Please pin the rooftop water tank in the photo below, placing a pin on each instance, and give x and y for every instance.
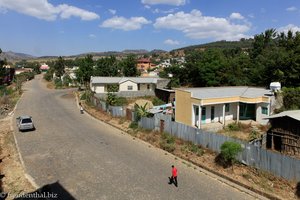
(275, 86)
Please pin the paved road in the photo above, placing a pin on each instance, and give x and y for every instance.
(92, 160)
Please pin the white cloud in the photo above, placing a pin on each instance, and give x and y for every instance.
(67, 11)
(92, 36)
(166, 2)
(112, 11)
(236, 16)
(291, 9)
(42, 9)
(126, 24)
(171, 42)
(251, 16)
(289, 27)
(147, 7)
(196, 26)
(164, 11)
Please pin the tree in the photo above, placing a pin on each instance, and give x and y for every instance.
(59, 67)
(129, 66)
(107, 66)
(85, 70)
(2, 69)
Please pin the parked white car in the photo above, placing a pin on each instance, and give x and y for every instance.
(25, 123)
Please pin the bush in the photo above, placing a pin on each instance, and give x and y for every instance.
(83, 96)
(133, 125)
(234, 127)
(168, 138)
(5, 90)
(170, 147)
(229, 151)
(48, 76)
(253, 135)
(120, 101)
(191, 147)
(58, 83)
(156, 101)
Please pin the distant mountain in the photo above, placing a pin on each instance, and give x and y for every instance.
(223, 44)
(120, 53)
(13, 56)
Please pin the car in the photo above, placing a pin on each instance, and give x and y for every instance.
(25, 123)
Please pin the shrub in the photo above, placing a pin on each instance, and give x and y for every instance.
(133, 125)
(191, 147)
(253, 135)
(168, 138)
(170, 147)
(229, 151)
(140, 111)
(83, 96)
(120, 101)
(233, 127)
(156, 101)
(58, 83)
(48, 76)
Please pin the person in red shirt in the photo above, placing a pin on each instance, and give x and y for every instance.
(174, 176)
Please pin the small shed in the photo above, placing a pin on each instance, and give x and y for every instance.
(284, 134)
(166, 95)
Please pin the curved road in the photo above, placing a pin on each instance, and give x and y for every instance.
(93, 160)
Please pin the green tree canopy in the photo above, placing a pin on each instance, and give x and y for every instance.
(85, 70)
(129, 66)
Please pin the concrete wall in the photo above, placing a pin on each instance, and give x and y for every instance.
(144, 87)
(124, 86)
(259, 115)
(98, 88)
(183, 111)
(128, 94)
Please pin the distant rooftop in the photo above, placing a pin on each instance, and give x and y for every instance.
(110, 80)
(222, 92)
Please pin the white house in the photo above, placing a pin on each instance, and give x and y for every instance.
(128, 85)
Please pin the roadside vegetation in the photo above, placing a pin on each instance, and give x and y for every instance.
(195, 155)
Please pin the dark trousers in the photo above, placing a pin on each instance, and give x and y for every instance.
(174, 180)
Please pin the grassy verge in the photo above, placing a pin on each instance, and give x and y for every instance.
(253, 179)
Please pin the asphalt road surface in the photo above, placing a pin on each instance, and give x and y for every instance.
(92, 160)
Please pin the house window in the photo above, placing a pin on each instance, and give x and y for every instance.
(227, 107)
(148, 86)
(129, 87)
(264, 110)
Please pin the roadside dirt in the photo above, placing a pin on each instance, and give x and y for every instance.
(14, 181)
(259, 181)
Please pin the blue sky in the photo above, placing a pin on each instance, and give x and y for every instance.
(65, 27)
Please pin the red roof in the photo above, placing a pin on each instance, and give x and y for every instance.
(144, 60)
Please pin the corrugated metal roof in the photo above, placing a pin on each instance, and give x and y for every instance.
(295, 114)
(222, 92)
(108, 80)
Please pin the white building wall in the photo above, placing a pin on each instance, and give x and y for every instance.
(124, 86)
(259, 115)
(231, 115)
(97, 88)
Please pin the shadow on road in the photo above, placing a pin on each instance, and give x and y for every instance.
(49, 191)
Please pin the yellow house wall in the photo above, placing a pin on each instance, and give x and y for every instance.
(183, 111)
(234, 99)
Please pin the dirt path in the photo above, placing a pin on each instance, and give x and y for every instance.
(14, 181)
